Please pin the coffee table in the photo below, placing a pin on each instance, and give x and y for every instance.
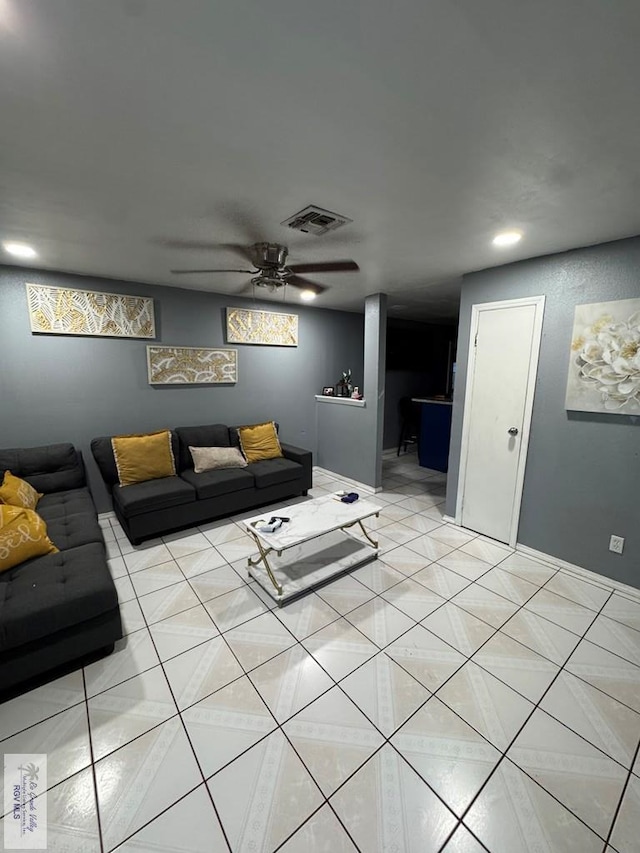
(317, 544)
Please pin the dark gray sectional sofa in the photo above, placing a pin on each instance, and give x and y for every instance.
(148, 509)
(60, 607)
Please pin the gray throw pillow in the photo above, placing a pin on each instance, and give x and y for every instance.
(209, 458)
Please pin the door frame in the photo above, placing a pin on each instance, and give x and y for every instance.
(476, 310)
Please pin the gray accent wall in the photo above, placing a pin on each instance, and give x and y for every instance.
(57, 388)
(583, 470)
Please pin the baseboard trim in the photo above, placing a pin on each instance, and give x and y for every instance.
(448, 519)
(579, 571)
(362, 486)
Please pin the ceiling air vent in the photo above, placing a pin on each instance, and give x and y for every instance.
(316, 220)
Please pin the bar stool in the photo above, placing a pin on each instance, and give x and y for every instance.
(409, 423)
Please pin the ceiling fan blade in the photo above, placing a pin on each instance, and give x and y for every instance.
(189, 272)
(304, 284)
(326, 266)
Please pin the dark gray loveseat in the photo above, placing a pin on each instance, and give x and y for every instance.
(60, 607)
(170, 503)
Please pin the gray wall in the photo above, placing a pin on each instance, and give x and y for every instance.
(58, 388)
(583, 470)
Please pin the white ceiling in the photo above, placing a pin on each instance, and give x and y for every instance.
(127, 124)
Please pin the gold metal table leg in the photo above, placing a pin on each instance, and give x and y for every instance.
(263, 559)
(366, 535)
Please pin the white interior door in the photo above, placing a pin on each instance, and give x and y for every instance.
(503, 359)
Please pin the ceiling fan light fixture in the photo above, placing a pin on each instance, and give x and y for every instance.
(19, 250)
(507, 238)
(308, 295)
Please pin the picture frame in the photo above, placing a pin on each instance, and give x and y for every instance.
(328, 391)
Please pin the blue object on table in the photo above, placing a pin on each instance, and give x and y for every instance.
(350, 498)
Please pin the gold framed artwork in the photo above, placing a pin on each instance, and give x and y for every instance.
(191, 365)
(65, 311)
(604, 364)
(267, 328)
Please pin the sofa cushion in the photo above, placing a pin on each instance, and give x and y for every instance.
(18, 492)
(71, 531)
(143, 457)
(272, 472)
(61, 504)
(50, 468)
(54, 592)
(210, 435)
(222, 481)
(210, 458)
(23, 535)
(103, 454)
(153, 494)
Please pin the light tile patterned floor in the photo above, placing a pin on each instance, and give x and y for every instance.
(453, 697)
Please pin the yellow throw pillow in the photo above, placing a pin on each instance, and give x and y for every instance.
(23, 535)
(143, 457)
(18, 492)
(259, 442)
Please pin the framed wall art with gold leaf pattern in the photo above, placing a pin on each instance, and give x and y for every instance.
(191, 365)
(268, 328)
(64, 311)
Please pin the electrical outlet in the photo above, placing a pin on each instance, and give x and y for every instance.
(616, 544)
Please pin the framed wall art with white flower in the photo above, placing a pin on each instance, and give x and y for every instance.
(604, 367)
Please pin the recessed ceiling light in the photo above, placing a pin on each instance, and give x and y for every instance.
(507, 238)
(19, 250)
(307, 295)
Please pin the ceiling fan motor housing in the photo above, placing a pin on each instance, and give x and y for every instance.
(269, 256)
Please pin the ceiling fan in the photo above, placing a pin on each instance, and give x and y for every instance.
(271, 270)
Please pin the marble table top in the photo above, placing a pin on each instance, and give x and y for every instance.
(310, 519)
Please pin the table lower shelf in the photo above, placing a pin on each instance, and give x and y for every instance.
(305, 567)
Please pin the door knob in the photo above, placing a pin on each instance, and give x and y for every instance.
(513, 430)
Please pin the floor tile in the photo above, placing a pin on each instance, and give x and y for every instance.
(190, 826)
(441, 580)
(322, 833)
(508, 585)
(124, 588)
(615, 637)
(580, 591)
(117, 567)
(580, 776)
(156, 577)
(306, 615)
(63, 738)
(259, 639)
(200, 562)
(183, 544)
(465, 564)
(624, 837)
(485, 604)
(264, 795)
(525, 567)
(453, 758)
(378, 576)
(400, 533)
(339, 648)
(460, 629)
(237, 549)
(380, 621)
(200, 671)
(234, 608)
(513, 813)
(421, 523)
(144, 557)
(39, 704)
(167, 602)
(574, 617)
(131, 656)
(345, 594)
(218, 532)
(548, 639)
(216, 582)
(489, 552)
(128, 710)
(601, 720)
(387, 806)
(404, 560)
(425, 656)
(608, 672)
(333, 738)
(290, 681)
(226, 723)
(393, 512)
(492, 708)
(385, 692)
(139, 780)
(430, 548)
(518, 666)
(413, 598)
(623, 610)
(462, 841)
(181, 632)
(132, 617)
(452, 535)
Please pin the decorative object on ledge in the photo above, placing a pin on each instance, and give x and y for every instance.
(344, 387)
(247, 326)
(328, 391)
(191, 365)
(63, 311)
(604, 367)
